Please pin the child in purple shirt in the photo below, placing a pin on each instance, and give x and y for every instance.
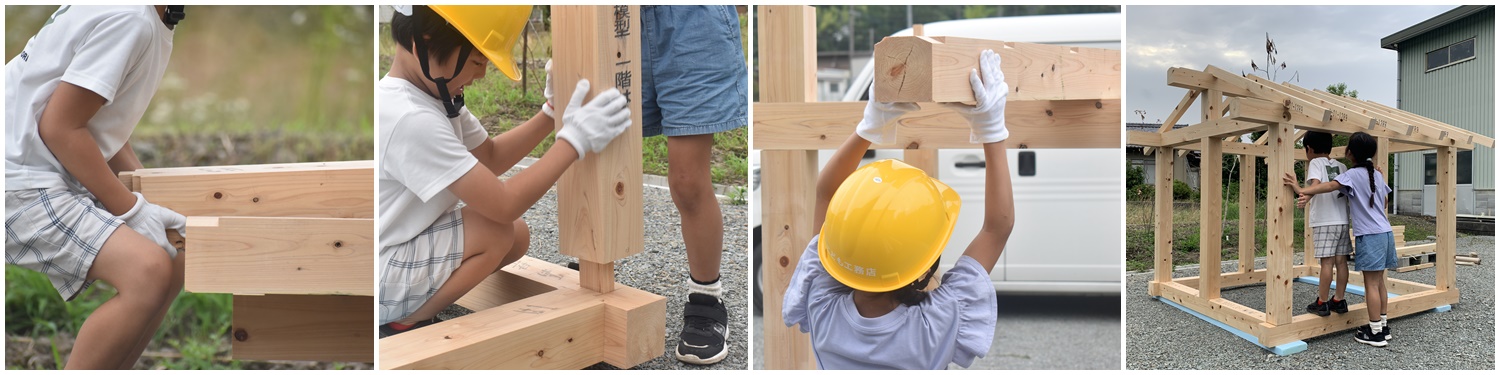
(1374, 245)
(859, 287)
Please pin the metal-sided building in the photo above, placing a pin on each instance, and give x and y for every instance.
(1447, 73)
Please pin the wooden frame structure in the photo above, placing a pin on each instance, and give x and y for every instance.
(292, 242)
(790, 128)
(1232, 105)
(537, 315)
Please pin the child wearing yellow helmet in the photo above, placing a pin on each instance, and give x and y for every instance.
(446, 220)
(859, 288)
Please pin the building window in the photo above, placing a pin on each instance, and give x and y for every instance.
(1452, 54)
(1465, 168)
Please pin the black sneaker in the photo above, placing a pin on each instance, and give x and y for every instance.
(1365, 336)
(1339, 306)
(386, 330)
(1386, 331)
(1318, 308)
(705, 328)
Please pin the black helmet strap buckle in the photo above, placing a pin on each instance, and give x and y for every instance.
(174, 14)
(452, 103)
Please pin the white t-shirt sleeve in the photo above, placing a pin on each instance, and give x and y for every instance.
(968, 286)
(425, 156)
(1316, 170)
(473, 131)
(113, 47)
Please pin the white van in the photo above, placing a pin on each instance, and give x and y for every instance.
(1068, 201)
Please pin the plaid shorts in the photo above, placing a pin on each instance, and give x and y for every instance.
(1332, 240)
(411, 272)
(57, 232)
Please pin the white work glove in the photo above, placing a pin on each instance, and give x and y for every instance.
(590, 127)
(152, 221)
(987, 115)
(547, 92)
(876, 126)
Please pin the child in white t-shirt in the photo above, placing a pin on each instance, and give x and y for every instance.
(73, 96)
(446, 220)
(1328, 215)
(859, 288)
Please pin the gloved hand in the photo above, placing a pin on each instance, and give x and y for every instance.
(987, 115)
(152, 221)
(547, 92)
(875, 127)
(590, 127)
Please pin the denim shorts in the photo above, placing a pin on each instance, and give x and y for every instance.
(1375, 252)
(693, 79)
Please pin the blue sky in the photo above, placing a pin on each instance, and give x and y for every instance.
(1322, 45)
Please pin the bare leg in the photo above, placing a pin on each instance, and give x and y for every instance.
(140, 271)
(688, 159)
(1384, 294)
(173, 289)
(1325, 277)
(487, 244)
(1374, 293)
(1341, 264)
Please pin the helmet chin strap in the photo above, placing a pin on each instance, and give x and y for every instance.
(452, 103)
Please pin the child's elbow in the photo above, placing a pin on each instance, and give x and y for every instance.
(1000, 224)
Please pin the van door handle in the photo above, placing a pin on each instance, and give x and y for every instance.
(969, 164)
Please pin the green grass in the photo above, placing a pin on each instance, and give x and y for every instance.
(502, 104)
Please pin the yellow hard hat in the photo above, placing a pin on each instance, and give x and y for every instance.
(493, 29)
(886, 225)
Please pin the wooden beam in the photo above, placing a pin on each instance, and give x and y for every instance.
(1475, 138)
(1247, 213)
(1165, 160)
(558, 330)
(599, 205)
(1447, 222)
(634, 327)
(788, 47)
(339, 189)
(304, 328)
(1306, 326)
(1279, 205)
(924, 159)
(1239, 317)
(1211, 215)
(936, 70)
(1032, 124)
(1196, 80)
(1217, 128)
(1179, 110)
(259, 255)
(1227, 280)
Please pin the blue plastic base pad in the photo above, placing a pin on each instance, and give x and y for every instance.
(1281, 350)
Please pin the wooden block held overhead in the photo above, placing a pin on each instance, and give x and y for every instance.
(599, 197)
(936, 69)
(260, 255)
(1032, 124)
(304, 328)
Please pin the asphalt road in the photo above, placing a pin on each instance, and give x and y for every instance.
(1159, 336)
(1041, 332)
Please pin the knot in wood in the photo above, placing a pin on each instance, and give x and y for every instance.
(1098, 105)
(338, 243)
(784, 261)
(541, 353)
(218, 195)
(1049, 113)
(255, 200)
(619, 188)
(914, 145)
(241, 335)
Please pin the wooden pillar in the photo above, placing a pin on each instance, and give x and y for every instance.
(788, 58)
(1165, 157)
(1447, 220)
(1247, 213)
(1280, 202)
(599, 198)
(1211, 216)
(924, 159)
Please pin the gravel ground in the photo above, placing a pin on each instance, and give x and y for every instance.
(1159, 336)
(1037, 332)
(661, 269)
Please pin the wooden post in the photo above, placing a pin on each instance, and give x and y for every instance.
(1279, 204)
(936, 69)
(1247, 213)
(924, 159)
(599, 205)
(788, 44)
(1211, 216)
(1447, 221)
(1164, 166)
